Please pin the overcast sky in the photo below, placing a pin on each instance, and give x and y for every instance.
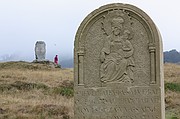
(23, 22)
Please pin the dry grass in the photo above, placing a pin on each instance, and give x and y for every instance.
(172, 73)
(31, 93)
(172, 93)
(51, 77)
(34, 92)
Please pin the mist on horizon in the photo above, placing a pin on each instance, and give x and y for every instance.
(23, 23)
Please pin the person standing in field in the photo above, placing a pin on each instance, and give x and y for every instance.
(56, 59)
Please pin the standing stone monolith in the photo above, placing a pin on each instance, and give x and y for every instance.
(118, 65)
(40, 50)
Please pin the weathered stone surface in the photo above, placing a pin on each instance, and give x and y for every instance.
(118, 69)
(40, 50)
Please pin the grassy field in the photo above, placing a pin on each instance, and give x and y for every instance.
(38, 91)
(172, 91)
(35, 91)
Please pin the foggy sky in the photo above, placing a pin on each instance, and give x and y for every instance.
(23, 22)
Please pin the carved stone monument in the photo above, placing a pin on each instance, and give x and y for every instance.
(118, 65)
(40, 50)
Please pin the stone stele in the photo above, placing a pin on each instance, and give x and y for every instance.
(40, 50)
(118, 65)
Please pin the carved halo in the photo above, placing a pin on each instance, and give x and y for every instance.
(116, 13)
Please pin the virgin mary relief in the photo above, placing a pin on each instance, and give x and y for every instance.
(116, 56)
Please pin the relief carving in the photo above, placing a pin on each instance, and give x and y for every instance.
(118, 67)
(116, 56)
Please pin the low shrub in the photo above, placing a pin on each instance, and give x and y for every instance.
(172, 86)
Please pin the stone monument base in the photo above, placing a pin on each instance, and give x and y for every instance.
(47, 62)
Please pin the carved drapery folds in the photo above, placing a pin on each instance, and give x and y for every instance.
(116, 56)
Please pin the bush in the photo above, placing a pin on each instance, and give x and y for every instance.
(28, 86)
(174, 118)
(172, 86)
(64, 91)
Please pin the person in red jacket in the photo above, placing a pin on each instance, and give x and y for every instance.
(56, 59)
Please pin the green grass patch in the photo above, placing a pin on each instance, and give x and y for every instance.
(172, 86)
(174, 118)
(23, 86)
(171, 115)
(64, 91)
(28, 86)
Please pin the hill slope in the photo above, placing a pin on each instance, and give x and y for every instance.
(39, 91)
(35, 91)
(172, 56)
